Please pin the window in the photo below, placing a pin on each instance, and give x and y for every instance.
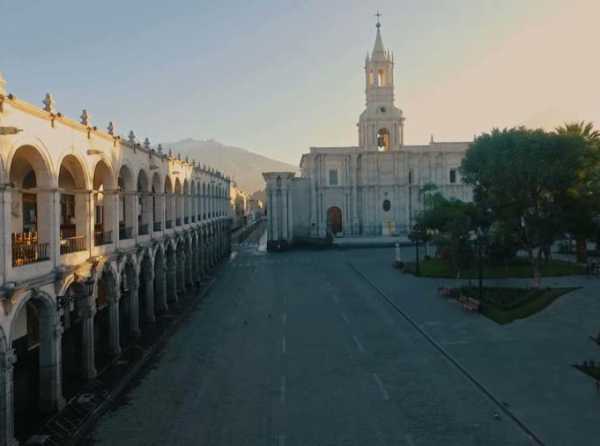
(387, 205)
(333, 177)
(452, 176)
(383, 140)
(410, 176)
(380, 78)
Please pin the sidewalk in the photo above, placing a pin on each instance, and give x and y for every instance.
(83, 410)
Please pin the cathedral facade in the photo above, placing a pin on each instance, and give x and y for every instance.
(372, 189)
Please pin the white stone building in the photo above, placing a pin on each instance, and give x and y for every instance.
(371, 189)
(99, 235)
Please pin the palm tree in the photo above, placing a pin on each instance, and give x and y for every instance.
(582, 221)
(582, 128)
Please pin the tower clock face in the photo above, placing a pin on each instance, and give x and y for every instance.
(382, 109)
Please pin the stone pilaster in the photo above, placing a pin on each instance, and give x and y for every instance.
(161, 289)
(134, 309)
(172, 282)
(113, 330)
(88, 366)
(149, 315)
(50, 356)
(7, 405)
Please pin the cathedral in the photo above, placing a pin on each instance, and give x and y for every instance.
(372, 189)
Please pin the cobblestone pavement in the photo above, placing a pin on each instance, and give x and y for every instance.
(302, 348)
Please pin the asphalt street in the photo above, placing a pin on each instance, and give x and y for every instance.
(301, 348)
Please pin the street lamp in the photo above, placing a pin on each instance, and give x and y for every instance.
(478, 236)
(415, 235)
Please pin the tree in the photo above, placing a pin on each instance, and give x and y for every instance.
(521, 176)
(452, 220)
(581, 203)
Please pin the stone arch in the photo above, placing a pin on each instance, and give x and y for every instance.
(186, 201)
(193, 197)
(106, 327)
(37, 369)
(181, 265)
(147, 313)
(31, 212)
(178, 202)
(145, 210)
(170, 204)
(73, 183)
(103, 180)
(171, 270)
(158, 201)
(128, 302)
(127, 187)
(160, 279)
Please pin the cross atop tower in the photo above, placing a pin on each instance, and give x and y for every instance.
(378, 15)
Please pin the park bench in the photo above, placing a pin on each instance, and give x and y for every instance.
(469, 303)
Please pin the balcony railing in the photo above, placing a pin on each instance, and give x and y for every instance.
(26, 249)
(168, 224)
(157, 226)
(186, 220)
(102, 238)
(72, 244)
(144, 229)
(178, 221)
(125, 233)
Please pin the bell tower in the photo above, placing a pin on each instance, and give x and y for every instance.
(381, 125)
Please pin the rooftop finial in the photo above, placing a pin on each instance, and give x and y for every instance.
(378, 15)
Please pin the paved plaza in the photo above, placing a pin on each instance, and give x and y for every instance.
(336, 347)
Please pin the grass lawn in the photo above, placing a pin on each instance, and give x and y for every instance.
(519, 267)
(594, 372)
(504, 305)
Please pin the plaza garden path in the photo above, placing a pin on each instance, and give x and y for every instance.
(337, 348)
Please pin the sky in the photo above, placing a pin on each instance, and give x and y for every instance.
(279, 76)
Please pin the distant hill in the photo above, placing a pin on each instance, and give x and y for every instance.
(243, 166)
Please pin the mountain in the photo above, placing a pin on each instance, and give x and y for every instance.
(243, 166)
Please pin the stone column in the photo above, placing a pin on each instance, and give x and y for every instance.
(160, 280)
(7, 407)
(88, 366)
(149, 297)
(113, 330)
(189, 278)
(134, 308)
(50, 356)
(172, 282)
(180, 273)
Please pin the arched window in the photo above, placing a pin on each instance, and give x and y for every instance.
(383, 140)
(371, 79)
(380, 78)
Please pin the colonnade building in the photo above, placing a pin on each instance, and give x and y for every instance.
(100, 234)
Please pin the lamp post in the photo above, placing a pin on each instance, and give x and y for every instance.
(478, 236)
(415, 235)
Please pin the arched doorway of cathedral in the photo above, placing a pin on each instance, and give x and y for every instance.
(35, 388)
(334, 220)
(105, 297)
(72, 339)
(383, 140)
